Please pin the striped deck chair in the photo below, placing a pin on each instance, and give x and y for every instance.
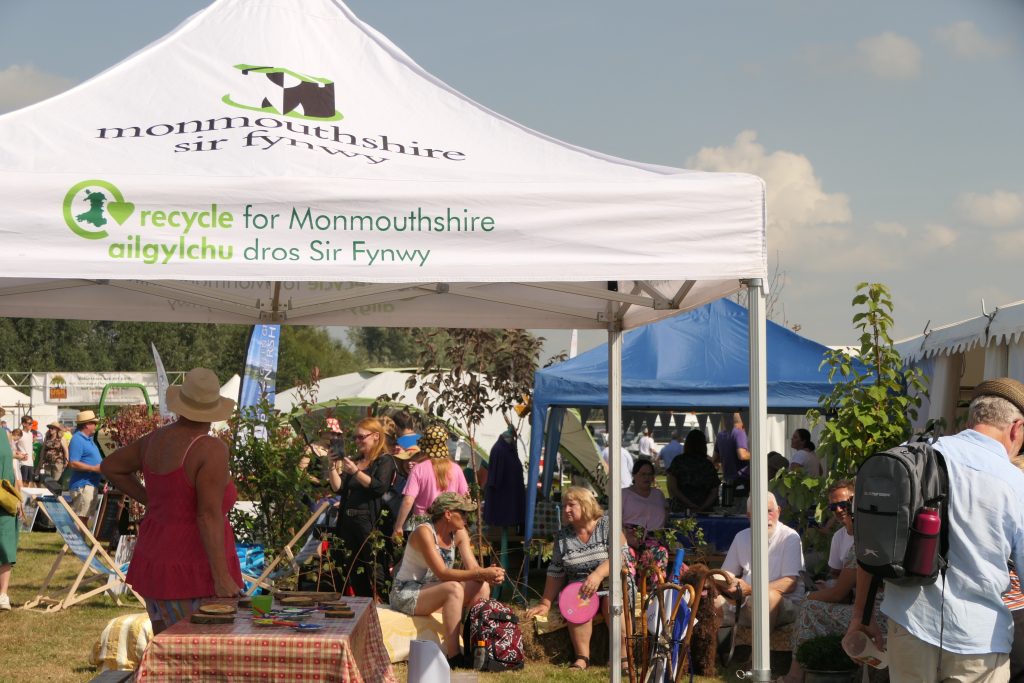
(97, 566)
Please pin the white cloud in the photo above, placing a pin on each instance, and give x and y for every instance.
(998, 209)
(964, 40)
(890, 56)
(939, 236)
(796, 200)
(891, 229)
(22, 85)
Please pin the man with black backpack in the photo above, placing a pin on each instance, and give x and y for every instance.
(957, 627)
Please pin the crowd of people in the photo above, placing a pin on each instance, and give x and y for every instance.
(402, 485)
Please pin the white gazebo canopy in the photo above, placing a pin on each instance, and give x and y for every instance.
(283, 162)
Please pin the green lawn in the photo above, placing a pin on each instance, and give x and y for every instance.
(49, 647)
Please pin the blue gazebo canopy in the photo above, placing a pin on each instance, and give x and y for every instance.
(695, 361)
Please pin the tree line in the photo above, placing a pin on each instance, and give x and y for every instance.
(41, 345)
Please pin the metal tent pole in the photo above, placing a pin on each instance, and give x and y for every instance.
(761, 670)
(615, 495)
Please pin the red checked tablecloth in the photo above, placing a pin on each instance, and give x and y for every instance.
(344, 651)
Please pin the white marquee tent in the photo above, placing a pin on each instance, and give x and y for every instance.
(284, 162)
(373, 383)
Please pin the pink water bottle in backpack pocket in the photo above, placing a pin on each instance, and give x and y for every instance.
(924, 539)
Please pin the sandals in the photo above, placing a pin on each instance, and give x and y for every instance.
(580, 658)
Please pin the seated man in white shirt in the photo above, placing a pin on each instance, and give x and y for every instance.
(785, 562)
(840, 502)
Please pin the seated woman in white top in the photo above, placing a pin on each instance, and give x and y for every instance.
(804, 458)
(426, 580)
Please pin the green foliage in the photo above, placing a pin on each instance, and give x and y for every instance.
(824, 653)
(392, 347)
(303, 348)
(473, 373)
(872, 408)
(97, 346)
(467, 374)
(266, 472)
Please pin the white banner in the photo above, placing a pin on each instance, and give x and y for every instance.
(85, 388)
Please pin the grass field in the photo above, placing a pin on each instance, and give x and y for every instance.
(55, 648)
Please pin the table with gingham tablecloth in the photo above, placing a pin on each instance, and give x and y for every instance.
(344, 651)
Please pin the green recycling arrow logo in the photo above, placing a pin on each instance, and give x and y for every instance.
(100, 205)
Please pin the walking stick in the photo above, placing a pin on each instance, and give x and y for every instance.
(630, 615)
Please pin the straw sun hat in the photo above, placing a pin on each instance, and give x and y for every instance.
(85, 417)
(1003, 387)
(198, 398)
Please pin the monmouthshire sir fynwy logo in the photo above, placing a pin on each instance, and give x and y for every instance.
(96, 209)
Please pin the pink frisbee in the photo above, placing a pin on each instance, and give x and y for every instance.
(574, 609)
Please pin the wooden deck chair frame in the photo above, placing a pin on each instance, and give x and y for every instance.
(286, 553)
(112, 581)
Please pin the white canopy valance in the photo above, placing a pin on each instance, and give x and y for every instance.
(1003, 326)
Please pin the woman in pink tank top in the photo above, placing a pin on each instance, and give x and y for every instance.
(186, 549)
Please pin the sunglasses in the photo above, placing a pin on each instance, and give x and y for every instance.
(364, 437)
(841, 505)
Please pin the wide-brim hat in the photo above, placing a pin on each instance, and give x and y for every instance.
(434, 442)
(406, 453)
(58, 425)
(451, 501)
(1003, 387)
(85, 417)
(198, 397)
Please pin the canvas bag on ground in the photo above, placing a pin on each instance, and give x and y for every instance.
(893, 487)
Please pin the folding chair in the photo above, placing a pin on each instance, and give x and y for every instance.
(262, 581)
(97, 565)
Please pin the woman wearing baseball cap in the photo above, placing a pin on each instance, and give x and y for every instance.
(426, 580)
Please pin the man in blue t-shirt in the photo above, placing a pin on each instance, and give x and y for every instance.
(84, 460)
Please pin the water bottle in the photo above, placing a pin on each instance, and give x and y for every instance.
(924, 536)
(480, 655)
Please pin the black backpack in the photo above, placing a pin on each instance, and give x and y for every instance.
(892, 487)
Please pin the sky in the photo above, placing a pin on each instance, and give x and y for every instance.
(889, 134)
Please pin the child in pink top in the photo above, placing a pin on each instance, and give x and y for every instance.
(422, 487)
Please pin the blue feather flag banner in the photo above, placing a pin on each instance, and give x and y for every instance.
(259, 379)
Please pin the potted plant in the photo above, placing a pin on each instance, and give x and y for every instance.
(824, 661)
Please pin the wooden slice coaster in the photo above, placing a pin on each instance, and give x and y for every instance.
(217, 608)
(297, 601)
(318, 596)
(198, 618)
(339, 614)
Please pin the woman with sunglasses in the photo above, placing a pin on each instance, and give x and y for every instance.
(362, 482)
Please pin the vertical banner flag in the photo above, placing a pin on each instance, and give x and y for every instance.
(161, 384)
(259, 379)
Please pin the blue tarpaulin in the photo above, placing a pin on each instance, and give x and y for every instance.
(696, 361)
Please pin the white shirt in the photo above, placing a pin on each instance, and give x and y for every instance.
(842, 541)
(627, 466)
(646, 446)
(785, 557)
(809, 460)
